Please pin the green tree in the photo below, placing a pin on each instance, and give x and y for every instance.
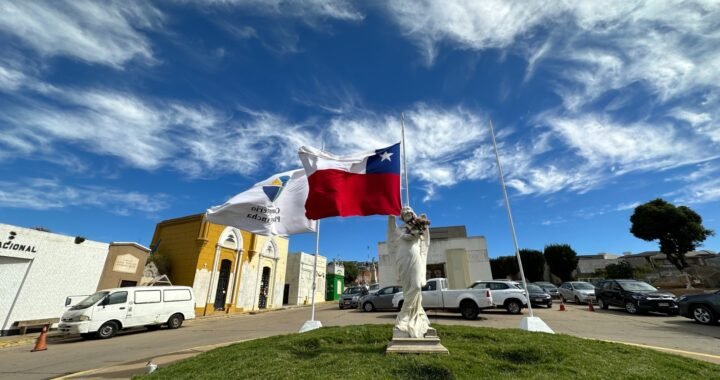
(678, 229)
(619, 270)
(504, 267)
(562, 260)
(161, 262)
(351, 271)
(533, 264)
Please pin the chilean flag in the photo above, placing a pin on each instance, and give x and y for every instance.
(361, 184)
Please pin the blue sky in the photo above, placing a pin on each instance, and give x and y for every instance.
(115, 116)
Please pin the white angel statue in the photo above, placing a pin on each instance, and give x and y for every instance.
(410, 243)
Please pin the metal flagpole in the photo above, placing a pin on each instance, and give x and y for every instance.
(512, 225)
(404, 162)
(312, 324)
(314, 286)
(531, 323)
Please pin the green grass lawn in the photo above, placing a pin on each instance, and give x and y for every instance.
(358, 352)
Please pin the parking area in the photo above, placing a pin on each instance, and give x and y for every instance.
(676, 334)
(673, 333)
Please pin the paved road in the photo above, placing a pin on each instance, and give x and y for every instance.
(73, 356)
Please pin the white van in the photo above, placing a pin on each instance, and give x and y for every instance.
(106, 312)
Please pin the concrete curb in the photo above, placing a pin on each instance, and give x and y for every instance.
(54, 337)
(137, 367)
(25, 340)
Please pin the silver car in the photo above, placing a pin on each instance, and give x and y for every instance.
(381, 299)
(577, 291)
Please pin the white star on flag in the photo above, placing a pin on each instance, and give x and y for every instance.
(385, 156)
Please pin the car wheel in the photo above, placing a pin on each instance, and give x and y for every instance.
(107, 330)
(513, 307)
(702, 314)
(368, 306)
(602, 304)
(631, 308)
(400, 305)
(562, 299)
(577, 300)
(469, 310)
(175, 321)
(341, 305)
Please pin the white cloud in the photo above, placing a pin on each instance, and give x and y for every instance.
(107, 33)
(600, 45)
(699, 192)
(310, 10)
(46, 194)
(604, 143)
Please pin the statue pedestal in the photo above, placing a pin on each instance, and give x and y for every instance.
(401, 343)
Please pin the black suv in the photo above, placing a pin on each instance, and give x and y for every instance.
(635, 297)
(704, 308)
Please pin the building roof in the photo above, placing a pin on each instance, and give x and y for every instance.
(448, 232)
(136, 245)
(605, 256)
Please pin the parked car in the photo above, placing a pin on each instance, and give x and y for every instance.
(703, 308)
(548, 287)
(635, 296)
(437, 296)
(106, 312)
(351, 296)
(577, 291)
(539, 296)
(380, 299)
(505, 294)
(373, 288)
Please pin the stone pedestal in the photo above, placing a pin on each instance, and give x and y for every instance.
(401, 343)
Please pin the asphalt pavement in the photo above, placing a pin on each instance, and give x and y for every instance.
(126, 354)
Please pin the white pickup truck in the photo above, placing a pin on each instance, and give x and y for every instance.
(437, 296)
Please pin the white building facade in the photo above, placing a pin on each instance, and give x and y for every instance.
(39, 270)
(299, 278)
(462, 260)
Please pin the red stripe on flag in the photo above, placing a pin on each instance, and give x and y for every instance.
(339, 193)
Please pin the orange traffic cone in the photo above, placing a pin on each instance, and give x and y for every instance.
(590, 306)
(562, 305)
(41, 343)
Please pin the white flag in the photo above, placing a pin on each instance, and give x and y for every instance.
(275, 206)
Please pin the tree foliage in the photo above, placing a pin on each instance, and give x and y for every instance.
(533, 264)
(678, 229)
(504, 267)
(351, 271)
(562, 260)
(619, 270)
(162, 263)
(507, 266)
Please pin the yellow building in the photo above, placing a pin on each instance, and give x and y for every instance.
(230, 270)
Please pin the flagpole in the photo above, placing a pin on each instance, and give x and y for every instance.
(312, 324)
(314, 285)
(512, 225)
(404, 162)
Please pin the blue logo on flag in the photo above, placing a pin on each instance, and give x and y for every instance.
(276, 187)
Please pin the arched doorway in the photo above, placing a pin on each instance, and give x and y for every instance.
(264, 288)
(222, 286)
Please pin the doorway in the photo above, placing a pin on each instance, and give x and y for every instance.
(286, 294)
(223, 280)
(264, 287)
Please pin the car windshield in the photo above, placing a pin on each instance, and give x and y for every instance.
(637, 286)
(90, 300)
(535, 289)
(353, 290)
(583, 286)
(546, 285)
